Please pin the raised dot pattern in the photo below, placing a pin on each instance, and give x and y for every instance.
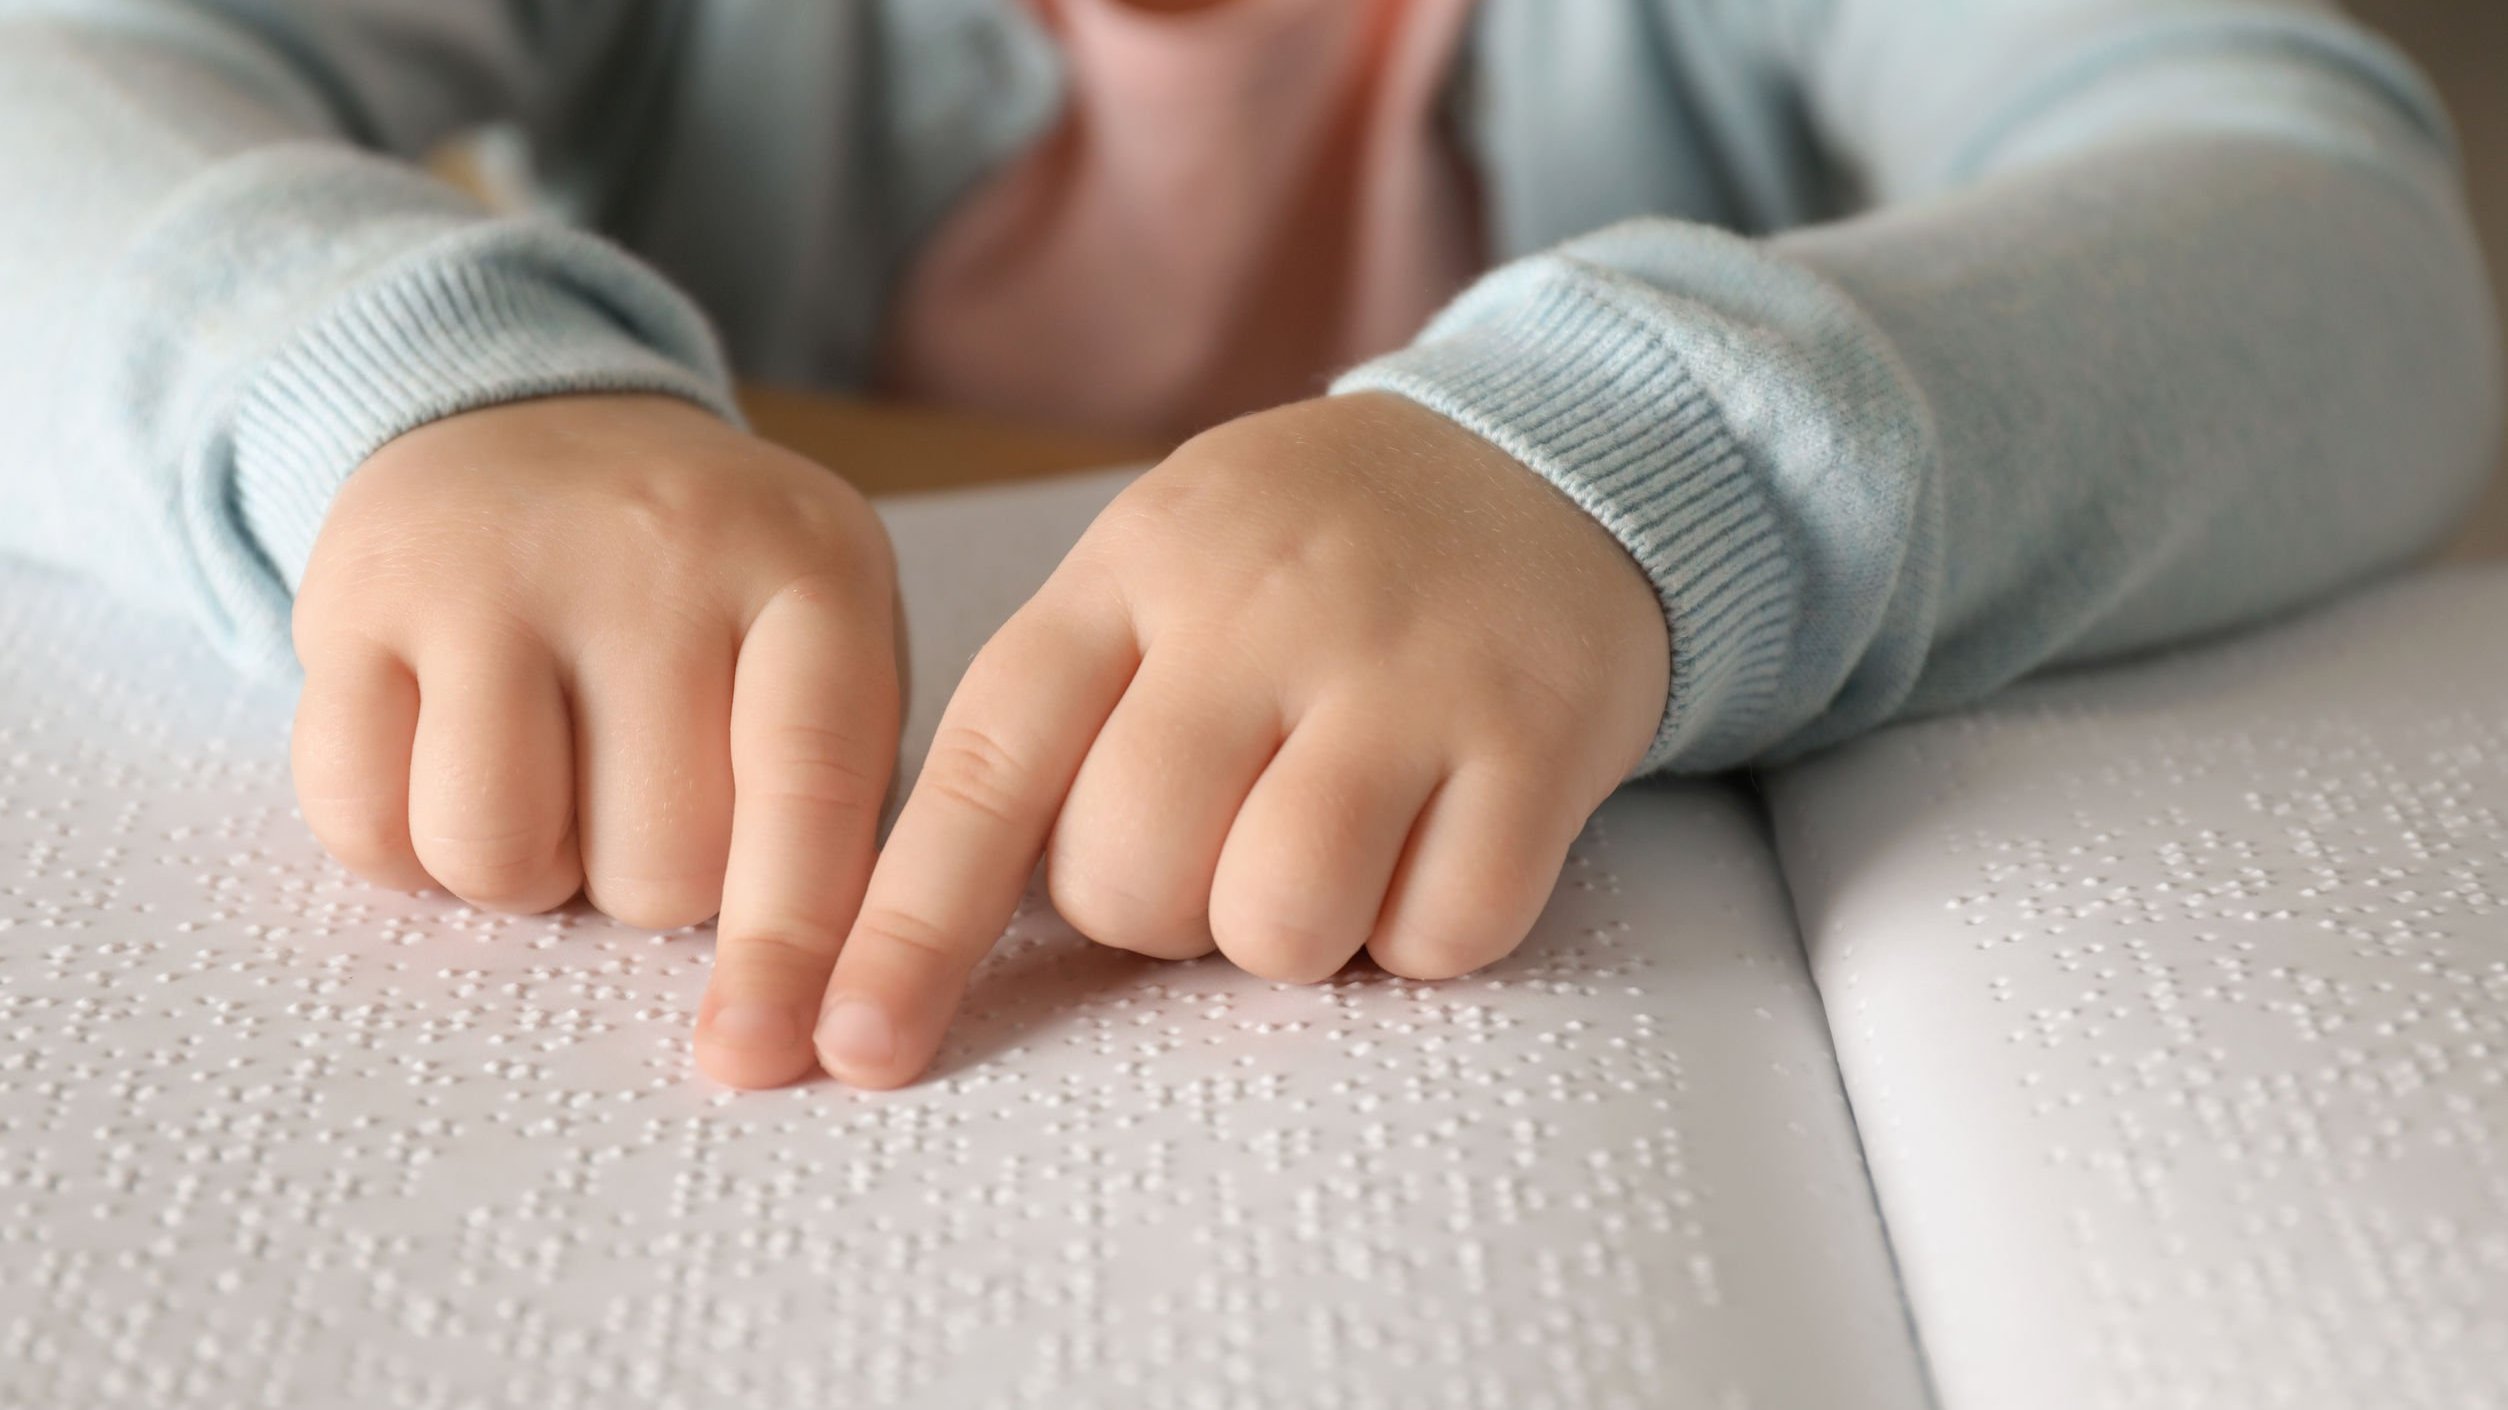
(271, 1137)
(2172, 1000)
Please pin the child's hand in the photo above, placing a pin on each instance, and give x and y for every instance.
(543, 641)
(1338, 676)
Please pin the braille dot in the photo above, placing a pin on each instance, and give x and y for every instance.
(2189, 1176)
(276, 1137)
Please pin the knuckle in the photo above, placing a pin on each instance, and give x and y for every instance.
(1180, 946)
(785, 944)
(816, 555)
(661, 505)
(1269, 944)
(836, 584)
(309, 618)
(662, 536)
(894, 929)
(1440, 949)
(367, 837)
(1471, 919)
(1153, 502)
(822, 767)
(339, 615)
(513, 870)
(845, 538)
(1502, 884)
(971, 768)
(1158, 516)
(1542, 703)
(1160, 922)
(654, 903)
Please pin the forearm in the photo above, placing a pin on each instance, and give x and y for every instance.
(2174, 385)
(2190, 342)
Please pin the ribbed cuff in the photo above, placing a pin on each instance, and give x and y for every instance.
(505, 312)
(1599, 404)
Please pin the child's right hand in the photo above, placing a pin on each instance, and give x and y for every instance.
(548, 644)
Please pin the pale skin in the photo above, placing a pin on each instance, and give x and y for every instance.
(1336, 678)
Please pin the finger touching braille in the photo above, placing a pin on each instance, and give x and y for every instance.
(968, 838)
(813, 742)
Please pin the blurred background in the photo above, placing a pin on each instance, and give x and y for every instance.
(2464, 45)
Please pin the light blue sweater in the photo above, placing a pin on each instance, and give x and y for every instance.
(1909, 345)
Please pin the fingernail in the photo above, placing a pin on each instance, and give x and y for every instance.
(855, 1033)
(754, 1023)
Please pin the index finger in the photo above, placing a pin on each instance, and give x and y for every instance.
(970, 834)
(813, 736)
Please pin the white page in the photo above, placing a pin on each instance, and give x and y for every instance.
(2173, 1003)
(272, 1137)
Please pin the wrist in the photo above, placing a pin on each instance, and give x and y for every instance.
(1585, 578)
(1580, 394)
(504, 313)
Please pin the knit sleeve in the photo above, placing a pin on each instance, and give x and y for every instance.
(225, 287)
(2155, 319)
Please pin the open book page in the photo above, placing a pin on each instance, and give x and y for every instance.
(271, 1137)
(2172, 999)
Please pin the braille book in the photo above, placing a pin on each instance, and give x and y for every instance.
(2139, 1040)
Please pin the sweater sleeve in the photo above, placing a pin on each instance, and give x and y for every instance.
(226, 285)
(2153, 319)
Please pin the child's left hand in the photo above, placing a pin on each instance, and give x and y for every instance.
(1335, 677)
